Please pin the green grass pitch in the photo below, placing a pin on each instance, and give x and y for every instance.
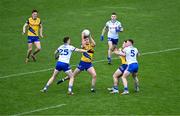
(153, 24)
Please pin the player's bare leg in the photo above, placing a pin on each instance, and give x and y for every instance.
(116, 76)
(125, 83)
(92, 72)
(28, 52)
(110, 51)
(71, 81)
(38, 48)
(50, 81)
(75, 73)
(136, 81)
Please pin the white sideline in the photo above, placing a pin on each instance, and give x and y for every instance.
(44, 70)
(41, 109)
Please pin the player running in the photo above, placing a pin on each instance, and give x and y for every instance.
(64, 54)
(86, 61)
(131, 53)
(35, 29)
(113, 27)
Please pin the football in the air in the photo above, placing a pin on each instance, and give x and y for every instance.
(86, 32)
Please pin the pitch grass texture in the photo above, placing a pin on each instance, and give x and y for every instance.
(153, 24)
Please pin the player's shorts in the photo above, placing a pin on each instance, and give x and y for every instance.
(84, 65)
(133, 68)
(32, 39)
(62, 66)
(114, 41)
(123, 67)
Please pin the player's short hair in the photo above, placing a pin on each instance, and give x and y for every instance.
(66, 39)
(34, 10)
(113, 13)
(86, 37)
(130, 40)
(125, 41)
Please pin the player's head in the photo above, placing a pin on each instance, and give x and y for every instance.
(129, 42)
(67, 40)
(34, 14)
(113, 16)
(86, 40)
(124, 44)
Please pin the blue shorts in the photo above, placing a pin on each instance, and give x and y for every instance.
(114, 41)
(32, 39)
(62, 66)
(133, 68)
(123, 67)
(84, 65)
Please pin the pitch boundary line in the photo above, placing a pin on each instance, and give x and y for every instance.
(41, 109)
(44, 70)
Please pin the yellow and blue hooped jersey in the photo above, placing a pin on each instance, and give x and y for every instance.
(122, 58)
(88, 56)
(34, 25)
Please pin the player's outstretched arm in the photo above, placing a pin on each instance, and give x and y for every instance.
(80, 50)
(24, 28)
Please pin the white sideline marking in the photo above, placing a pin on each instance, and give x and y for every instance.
(161, 51)
(41, 109)
(20, 74)
(44, 70)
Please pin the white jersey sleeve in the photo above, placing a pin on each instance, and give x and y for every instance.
(65, 52)
(72, 48)
(131, 54)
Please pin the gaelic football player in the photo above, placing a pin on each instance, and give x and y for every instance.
(113, 27)
(64, 52)
(86, 61)
(131, 53)
(34, 27)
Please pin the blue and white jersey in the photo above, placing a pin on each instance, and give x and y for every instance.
(111, 26)
(131, 54)
(65, 52)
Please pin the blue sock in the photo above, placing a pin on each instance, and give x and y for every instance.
(125, 88)
(109, 59)
(115, 87)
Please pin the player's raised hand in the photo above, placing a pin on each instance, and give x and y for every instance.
(102, 38)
